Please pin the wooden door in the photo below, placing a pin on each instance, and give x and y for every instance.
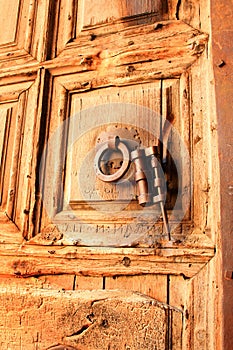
(96, 270)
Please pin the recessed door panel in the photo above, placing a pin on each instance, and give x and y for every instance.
(95, 210)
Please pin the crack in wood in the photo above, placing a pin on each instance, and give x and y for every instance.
(97, 301)
(178, 9)
(82, 330)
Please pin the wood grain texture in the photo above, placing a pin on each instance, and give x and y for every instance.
(180, 295)
(72, 20)
(58, 282)
(185, 128)
(3, 122)
(32, 260)
(112, 11)
(65, 24)
(89, 283)
(9, 23)
(83, 320)
(154, 52)
(13, 101)
(19, 141)
(154, 286)
(187, 11)
(27, 29)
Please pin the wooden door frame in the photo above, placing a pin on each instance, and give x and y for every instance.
(222, 37)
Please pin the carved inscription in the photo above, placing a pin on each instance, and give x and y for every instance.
(108, 234)
(102, 229)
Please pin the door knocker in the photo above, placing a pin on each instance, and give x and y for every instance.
(151, 186)
(114, 144)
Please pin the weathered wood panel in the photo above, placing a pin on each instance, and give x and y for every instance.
(187, 11)
(155, 286)
(40, 319)
(57, 282)
(185, 127)
(113, 10)
(200, 303)
(3, 122)
(112, 106)
(65, 23)
(20, 145)
(9, 22)
(180, 295)
(110, 265)
(82, 152)
(26, 37)
(200, 141)
(177, 46)
(72, 19)
(89, 283)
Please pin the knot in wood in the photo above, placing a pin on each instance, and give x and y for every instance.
(126, 261)
(130, 69)
(158, 26)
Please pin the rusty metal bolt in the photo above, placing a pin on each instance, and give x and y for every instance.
(229, 275)
(221, 64)
(138, 157)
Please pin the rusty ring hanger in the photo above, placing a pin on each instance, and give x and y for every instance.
(114, 144)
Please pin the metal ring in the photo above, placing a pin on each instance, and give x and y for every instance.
(120, 172)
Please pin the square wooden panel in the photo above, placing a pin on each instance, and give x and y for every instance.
(23, 40)
(89, 15)
(9, 23)
(85, 209)
(76, 19)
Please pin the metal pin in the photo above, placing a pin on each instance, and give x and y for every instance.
(160, 197)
